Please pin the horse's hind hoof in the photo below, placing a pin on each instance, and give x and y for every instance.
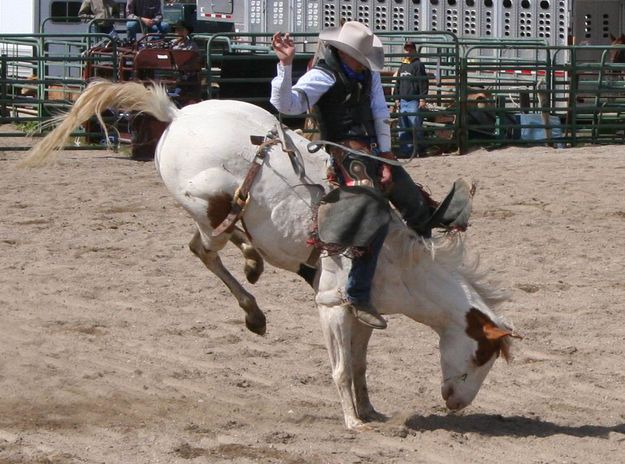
(253, 270)
(256, 323)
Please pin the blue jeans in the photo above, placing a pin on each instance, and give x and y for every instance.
(363, 269)
(406, 123)
(134, 27)
(407, 197)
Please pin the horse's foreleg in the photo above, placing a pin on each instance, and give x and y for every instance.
(254, 318)
(336, 323)
(360, 341)
(254, 264)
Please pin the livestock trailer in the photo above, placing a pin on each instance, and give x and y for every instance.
(557, 22)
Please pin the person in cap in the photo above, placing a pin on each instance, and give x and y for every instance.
(411, 90)
(345, 91)
(183, 40)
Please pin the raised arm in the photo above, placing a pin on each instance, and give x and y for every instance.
(284, 48)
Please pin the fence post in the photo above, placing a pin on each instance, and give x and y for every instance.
(3, 85)
(462, 93)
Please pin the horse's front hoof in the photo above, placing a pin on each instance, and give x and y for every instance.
(360, 426)
(374, 416)
(256, 323)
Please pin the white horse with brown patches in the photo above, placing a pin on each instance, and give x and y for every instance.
(203, 157)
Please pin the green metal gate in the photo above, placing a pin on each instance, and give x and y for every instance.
(482, 92)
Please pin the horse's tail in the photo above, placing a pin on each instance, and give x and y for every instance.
(96, 99)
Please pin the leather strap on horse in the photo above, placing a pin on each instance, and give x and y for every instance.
(297, 162)
(242, 194)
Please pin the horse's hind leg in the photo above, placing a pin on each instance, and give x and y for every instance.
(254, 264)
(254, 318)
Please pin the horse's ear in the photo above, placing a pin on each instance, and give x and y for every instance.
(492, 332)
(491, 339)
(612, 38)
(479, 323)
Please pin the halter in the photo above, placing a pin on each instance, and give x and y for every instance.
(461, 378)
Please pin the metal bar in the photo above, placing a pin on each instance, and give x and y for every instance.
(3, 85)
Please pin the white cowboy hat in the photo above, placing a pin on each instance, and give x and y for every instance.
(357, 41)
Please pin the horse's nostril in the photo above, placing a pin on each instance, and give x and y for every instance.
(454, 405)
(447, 392)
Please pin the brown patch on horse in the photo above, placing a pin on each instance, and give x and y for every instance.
(491, 339)
(218, 209)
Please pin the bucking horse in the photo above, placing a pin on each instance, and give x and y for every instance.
(204, 159)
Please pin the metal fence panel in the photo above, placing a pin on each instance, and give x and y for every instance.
(255, 13)
(479, 88)
(415, 19)
(486, 19)
(364, 13)
(451, 11)
(277, 16)
(381, 13)
(594, 25)
(40, 75)
(399, 17)
(542, 19)
(433, 18)
(348, 10)
(330, 12)
(306, 16)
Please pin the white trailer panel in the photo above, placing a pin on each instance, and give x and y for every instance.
(17, 17)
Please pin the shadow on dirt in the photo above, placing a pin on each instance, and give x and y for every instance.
(513, 426)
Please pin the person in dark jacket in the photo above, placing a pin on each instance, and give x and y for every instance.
(145, 15)
(411, 90)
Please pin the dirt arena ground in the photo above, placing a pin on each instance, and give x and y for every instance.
(117, 346)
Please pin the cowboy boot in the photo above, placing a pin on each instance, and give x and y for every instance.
(454, 211)
(367, 314)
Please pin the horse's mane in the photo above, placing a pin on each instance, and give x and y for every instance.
(449, 251)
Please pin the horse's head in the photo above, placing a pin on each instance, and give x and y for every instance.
(617, 55)
(467, 354)
(439, 285)
(620, 40)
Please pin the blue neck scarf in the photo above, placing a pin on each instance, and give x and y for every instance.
(350, 73)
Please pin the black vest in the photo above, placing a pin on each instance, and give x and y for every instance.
(344, 111)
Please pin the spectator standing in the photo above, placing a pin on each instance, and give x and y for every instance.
(146, 15)
(411, 90)
(101, 10)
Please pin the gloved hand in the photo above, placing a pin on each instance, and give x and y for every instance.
(386, 175)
